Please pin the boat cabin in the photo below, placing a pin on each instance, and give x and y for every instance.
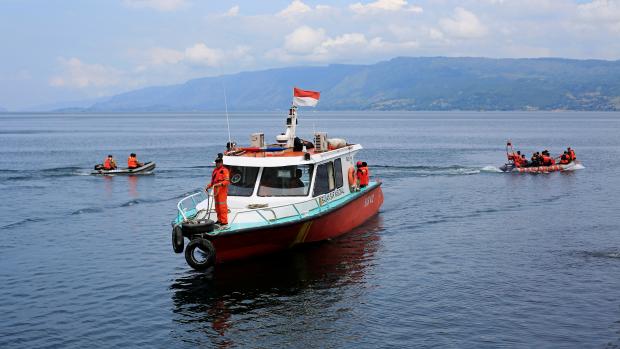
(273, 178)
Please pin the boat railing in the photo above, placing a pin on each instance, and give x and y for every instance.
(187, 206)
(275, 213)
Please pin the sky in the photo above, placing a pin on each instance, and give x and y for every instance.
(69, 50)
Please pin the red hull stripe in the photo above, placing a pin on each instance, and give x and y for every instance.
(305, 93)
(264, 240)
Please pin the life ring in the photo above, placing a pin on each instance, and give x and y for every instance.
(207, 252)
(352, 180)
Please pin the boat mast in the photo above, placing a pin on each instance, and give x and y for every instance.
(291, 126)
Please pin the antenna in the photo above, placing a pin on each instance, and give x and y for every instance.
(226, 108)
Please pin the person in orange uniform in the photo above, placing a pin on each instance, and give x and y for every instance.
(571, 154)
(565, 158)
(109, 163)
(515, 158)
(132, 161)
(220, 178)
(547, 160)
(362, 174)
(367, 179)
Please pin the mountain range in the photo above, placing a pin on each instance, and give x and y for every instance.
(404, 83)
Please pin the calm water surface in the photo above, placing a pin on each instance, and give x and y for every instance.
(460, 256)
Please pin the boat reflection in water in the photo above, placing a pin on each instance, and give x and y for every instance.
(263, 298)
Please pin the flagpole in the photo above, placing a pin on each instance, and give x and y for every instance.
(226, 109)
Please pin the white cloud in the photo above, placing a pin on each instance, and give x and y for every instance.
(198, 54)
(600, 10)
(463, 24)
(203, 55)
(159, 5)
(384, 5)
(233, 11)
(313, 45)
(82, 75)
(304, 40)
(345, 41)
(163, 56)
(295, 8)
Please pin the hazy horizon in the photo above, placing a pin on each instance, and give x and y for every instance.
(68, 51)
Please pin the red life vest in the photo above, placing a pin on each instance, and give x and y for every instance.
(363, 175)
(564, 159)
(107, 164)
(132, 162)
(367, 176)
(546, 160)
(572, 155)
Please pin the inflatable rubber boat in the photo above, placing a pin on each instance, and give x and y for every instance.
(147, 167)
(575, 165)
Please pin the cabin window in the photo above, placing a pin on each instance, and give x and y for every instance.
(338, 172)
(325, 181)
(242, 180)
(285, 181)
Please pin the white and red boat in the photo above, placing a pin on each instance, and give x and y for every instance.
(280, 195)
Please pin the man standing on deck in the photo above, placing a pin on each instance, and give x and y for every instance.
(219, 183)
(362, 175)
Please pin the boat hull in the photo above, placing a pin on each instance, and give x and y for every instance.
(540, 169)
(242, 244)
(149, 166)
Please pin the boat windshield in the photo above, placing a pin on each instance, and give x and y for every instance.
(285, 181)
(242, 180)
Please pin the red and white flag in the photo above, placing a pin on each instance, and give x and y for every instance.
(303, 98)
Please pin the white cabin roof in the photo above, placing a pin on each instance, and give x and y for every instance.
(279, 159)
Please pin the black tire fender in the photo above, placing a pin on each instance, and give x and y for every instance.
(178, 242)
(206, 247)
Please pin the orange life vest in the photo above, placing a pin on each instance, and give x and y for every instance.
(107, 164)
(572, 155)
(363, 175)
(518, 161)
(564, 159)
(220, 176)
(132, 162)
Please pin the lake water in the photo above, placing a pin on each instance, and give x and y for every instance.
(459, 256)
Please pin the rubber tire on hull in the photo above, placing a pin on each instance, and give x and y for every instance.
(206, 247)
(178, 241)
(199, 227)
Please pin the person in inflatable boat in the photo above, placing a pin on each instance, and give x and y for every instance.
(109, 163)
(132, 161)
(571, 154)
